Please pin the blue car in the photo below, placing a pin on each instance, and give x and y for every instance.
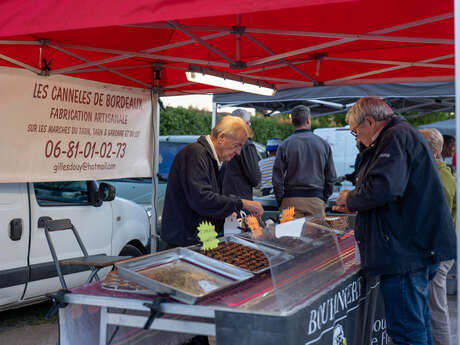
(139, 190)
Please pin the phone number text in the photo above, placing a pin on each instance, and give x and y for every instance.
(89, 149)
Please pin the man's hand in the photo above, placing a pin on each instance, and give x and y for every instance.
(340, 179)
(341, 209)
(254, 207)
(342, 198)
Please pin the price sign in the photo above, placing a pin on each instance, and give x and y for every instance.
(207, 236)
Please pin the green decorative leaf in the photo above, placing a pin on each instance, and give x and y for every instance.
(207, 235)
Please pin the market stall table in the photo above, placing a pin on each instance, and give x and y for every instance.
(310, 304)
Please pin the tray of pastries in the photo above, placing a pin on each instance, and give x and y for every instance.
(250, 256)
(114, 282)
(333, 222)
(181, 274)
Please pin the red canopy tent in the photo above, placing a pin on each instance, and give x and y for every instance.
(287, 43)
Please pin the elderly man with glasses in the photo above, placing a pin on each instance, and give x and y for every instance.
(193, 194)
(403, 226)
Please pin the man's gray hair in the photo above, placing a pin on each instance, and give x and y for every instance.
(435, 139)
(369, 106)
(243, 114)
(299, 115)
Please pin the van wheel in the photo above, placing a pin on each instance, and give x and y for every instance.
(130, 250)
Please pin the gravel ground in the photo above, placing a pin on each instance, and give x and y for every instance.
(28, 326)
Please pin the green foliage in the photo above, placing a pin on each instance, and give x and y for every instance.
(182, 121)
(429, 118)
(328, 121)
(270, 127)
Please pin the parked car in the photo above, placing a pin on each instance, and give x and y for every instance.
(344, 152)
(106, 225)
(139, 190)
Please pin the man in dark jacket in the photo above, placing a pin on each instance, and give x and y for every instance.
(242, 173)
(403, 227)
(194, 186)
(304, 172)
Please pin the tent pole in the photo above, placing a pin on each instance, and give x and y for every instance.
(214, 114)
(155, 145)
(457, 131)
(156, 90)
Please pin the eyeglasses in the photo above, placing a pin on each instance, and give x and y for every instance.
(354, 130)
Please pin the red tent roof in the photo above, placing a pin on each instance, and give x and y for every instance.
(288, 43)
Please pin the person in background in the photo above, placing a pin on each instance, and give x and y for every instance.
(304, 172)
(194, 186)
(437, 299)
(448, 149)
(242, 173)
(266, 166)
(352, 176)
(403, 226)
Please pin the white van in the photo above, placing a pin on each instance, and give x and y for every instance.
(344, 152)
(107, 225)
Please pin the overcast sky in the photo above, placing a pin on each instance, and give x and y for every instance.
(196, 101)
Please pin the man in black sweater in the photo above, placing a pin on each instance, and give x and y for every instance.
(242, 172)
(194, 191)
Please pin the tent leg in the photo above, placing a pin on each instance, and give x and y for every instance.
(155, 144)
(214, 114)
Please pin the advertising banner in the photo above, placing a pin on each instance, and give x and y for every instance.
(349, 313)
(352, 313)
(64, 129)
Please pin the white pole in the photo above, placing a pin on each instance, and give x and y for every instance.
(214, 114)
(155, 162)
(457, 131)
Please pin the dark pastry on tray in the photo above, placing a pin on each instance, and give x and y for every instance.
(238, 255)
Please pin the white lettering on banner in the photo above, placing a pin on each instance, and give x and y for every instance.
(380, 335)
(326, 312)
(61, 129)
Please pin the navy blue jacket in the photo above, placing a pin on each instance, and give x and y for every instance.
(242, 173)
(193, 195)
(403, 220)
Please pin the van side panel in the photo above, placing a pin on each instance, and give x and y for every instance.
(94, 225)
(343, 145)
(14, 237)
(130, 223)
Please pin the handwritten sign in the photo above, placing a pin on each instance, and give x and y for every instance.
(254, 226)
(287, 215)
(207, 235)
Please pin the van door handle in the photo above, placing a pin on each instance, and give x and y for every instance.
(42, 220)
(16, 229)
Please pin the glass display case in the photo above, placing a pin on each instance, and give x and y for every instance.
(314, 262)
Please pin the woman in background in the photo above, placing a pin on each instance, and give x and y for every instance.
(437, 299)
